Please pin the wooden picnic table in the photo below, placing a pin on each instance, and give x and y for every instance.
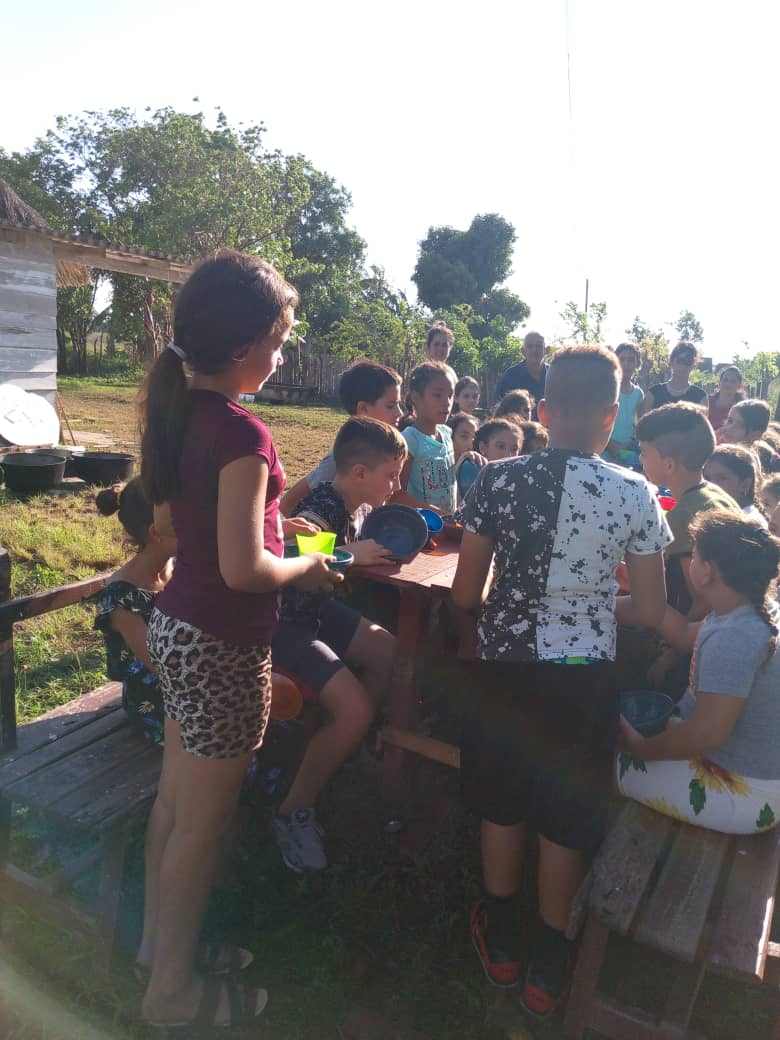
(420, 583)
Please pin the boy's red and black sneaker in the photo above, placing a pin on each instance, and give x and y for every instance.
(547, 980)
(501, 967)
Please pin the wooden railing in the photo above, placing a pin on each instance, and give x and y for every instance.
(13, 610)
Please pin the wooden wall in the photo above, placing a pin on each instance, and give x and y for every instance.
(28, 313)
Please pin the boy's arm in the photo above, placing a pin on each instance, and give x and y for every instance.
(472, 576)
(294, 496)
(648, 590)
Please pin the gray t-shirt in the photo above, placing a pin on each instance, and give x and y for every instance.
(323, 473)
(730, 658)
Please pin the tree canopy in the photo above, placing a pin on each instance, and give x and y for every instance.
(171, 183)
(467, 267)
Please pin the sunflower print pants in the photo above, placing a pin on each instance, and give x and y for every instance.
(702, 793)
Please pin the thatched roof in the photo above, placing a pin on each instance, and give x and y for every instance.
(15, 212)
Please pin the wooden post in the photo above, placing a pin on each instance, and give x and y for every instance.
(7, 680)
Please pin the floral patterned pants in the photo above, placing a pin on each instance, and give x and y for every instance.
(701, 793)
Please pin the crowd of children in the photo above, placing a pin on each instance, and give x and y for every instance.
(552, 508)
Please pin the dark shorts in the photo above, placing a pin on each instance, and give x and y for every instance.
(537, 748)
(312, 656)
(219, 694)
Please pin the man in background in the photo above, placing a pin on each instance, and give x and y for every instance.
(529, 374)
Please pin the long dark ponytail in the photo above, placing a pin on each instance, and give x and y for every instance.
(227, 304)
(747, 557)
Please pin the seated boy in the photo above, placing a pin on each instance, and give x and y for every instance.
(319, 637)
(367, 390)
(553, 525)
(675, 442)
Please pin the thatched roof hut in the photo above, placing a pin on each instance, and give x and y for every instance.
(16, 213)
(36, 260)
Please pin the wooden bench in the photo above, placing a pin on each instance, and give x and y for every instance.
(84, 767)
(702, 898)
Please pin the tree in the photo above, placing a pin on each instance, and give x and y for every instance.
(467, 267)
(758, 371)
(655, 352)
(688, 328)
(171, 183)
(76, 319)
(585, 325)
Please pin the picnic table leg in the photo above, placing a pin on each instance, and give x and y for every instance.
(590, 958)
(6, 812)
(403, 707)
(114, 846)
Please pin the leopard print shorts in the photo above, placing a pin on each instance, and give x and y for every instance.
(219, 694)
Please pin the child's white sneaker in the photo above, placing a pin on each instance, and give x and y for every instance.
(299, 838)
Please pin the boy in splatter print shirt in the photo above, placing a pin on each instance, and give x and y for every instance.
(554, 526)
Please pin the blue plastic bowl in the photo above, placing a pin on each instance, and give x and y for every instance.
(400, 529)
(647, 710)
(433, 520)
(343, 559)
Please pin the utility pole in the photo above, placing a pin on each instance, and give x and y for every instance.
(587, 290)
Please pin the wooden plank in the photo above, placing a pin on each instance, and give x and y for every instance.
(625, 864)
(109, 258)
(35, 381)
(584, 984)
(21, 321)
(21, 889)
(740, 939)
(20, 301)
(621, 1022)
(7, 678)
(674, 916)
(47, 729)
(53, 772)
(24, 242)
(23, 358)
(435, 750)
(417, 573)
(12, 259)
(52, 599)
(25, 276)
(122, 793)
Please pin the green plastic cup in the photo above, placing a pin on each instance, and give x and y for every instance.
(322, 542)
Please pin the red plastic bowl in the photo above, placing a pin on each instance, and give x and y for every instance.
(667, 502)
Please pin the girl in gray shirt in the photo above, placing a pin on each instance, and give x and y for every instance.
(720, 766)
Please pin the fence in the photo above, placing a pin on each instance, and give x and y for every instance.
(321, 371)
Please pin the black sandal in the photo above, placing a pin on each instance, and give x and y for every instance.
(210, 959)
(245, 1005)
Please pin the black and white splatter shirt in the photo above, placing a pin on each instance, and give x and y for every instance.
(560, 523)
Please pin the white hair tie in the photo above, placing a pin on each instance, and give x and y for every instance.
(177, 351)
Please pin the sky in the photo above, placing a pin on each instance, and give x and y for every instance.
(630, 142)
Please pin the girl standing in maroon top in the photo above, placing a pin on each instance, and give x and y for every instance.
(209, 635)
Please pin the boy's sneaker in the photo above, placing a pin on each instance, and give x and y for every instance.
(501, 967)
(547, 978)
(299, 838)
